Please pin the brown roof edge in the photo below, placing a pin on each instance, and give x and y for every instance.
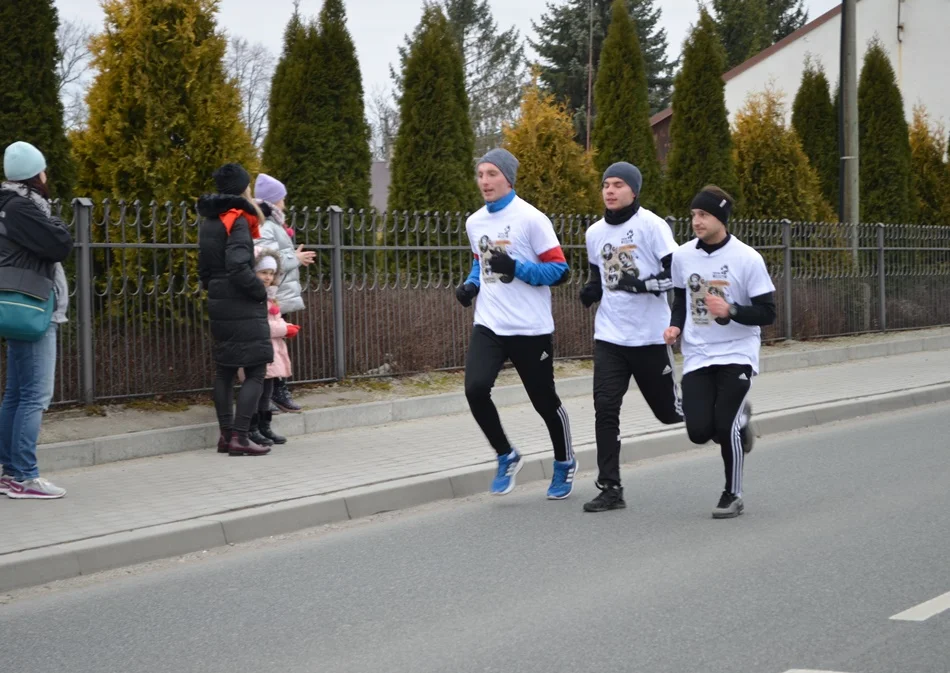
(762, 55)
(784, 42)
(660, 116)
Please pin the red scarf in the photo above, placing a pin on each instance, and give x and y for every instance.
(228, 219)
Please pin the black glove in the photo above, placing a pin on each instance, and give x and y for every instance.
(466, 293)
(658, 285)
(652, 284)
(502, 264)
(591, 294)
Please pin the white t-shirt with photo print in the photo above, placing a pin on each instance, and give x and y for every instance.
(508, 306)
(735, 272)
(632, 248)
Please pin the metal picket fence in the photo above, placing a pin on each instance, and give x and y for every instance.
(380, 294)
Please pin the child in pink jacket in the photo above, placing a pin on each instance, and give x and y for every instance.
(267, 267)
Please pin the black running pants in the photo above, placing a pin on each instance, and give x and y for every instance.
(652, 368)
(713, 404)
(533, 358)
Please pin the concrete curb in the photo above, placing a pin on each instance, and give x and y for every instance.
(85, 453)
(39, 566)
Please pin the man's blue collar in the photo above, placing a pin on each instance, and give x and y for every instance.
(495, 206)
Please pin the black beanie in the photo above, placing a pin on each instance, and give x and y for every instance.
(717, 206)
(231, 179)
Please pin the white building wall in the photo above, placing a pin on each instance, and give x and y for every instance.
(921, 58)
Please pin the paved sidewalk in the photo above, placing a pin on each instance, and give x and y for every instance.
(136, 494)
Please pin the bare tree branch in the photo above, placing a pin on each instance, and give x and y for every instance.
(74, 71)
(383, 120)
(74, 57)
(252, 68)
(75, 110)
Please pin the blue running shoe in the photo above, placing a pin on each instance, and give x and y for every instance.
(508, 466)
(562, 483)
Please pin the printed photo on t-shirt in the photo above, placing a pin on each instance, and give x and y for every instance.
(699, 288)
(618, 261)
(487, 248)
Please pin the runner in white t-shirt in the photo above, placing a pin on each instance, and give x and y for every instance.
(630, 252)
(517, 260)
(722, 294)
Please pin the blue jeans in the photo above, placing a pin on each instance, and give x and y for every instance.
(31, 372)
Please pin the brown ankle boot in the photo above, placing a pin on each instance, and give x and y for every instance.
(242, 446)
(224, 441)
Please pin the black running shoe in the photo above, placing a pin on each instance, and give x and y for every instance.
(610, 497)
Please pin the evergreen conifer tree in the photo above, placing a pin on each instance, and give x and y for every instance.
(343, 160)
(433, 158)
(495, 68)
(746, 27)
(30, 108)
(701, 146)
(622, 129)
(556, 175)
(887, 192)
(928, 146)
(813, 118)
(564, 40)
(775, 179)
(163, 115)
(318, 139)
(287, 109)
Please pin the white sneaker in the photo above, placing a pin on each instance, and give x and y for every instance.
(38, 489)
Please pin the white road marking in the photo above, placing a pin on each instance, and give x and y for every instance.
(809, 670)
(925, 611)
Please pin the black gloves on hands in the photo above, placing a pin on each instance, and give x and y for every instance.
(652, 284)
(658, 285)
(591, 294)
(466, 293)
(502, 264)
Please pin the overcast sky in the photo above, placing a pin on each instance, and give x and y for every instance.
(378, 26)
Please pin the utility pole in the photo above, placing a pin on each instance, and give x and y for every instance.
(590, 65)
(849, 204)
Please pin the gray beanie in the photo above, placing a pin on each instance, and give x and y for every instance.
(504, 160)
(626, 172)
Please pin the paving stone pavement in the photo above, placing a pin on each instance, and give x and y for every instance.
(129, 495)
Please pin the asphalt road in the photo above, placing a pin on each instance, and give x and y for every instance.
(845, 527)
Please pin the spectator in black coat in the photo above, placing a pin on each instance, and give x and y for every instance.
(237, 304)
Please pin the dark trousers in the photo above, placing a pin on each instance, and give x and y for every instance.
(248, 398)
(533, 358)
(713, 403)
(267, 391)
(652, 368)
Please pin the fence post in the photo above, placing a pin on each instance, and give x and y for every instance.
(87, 358)
(336, 269)
(882, 292)
(787, 273)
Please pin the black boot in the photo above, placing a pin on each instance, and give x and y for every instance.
(282, 398)
(254, 434)
(267, 431)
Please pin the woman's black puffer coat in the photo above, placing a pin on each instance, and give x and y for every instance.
(237, 299)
